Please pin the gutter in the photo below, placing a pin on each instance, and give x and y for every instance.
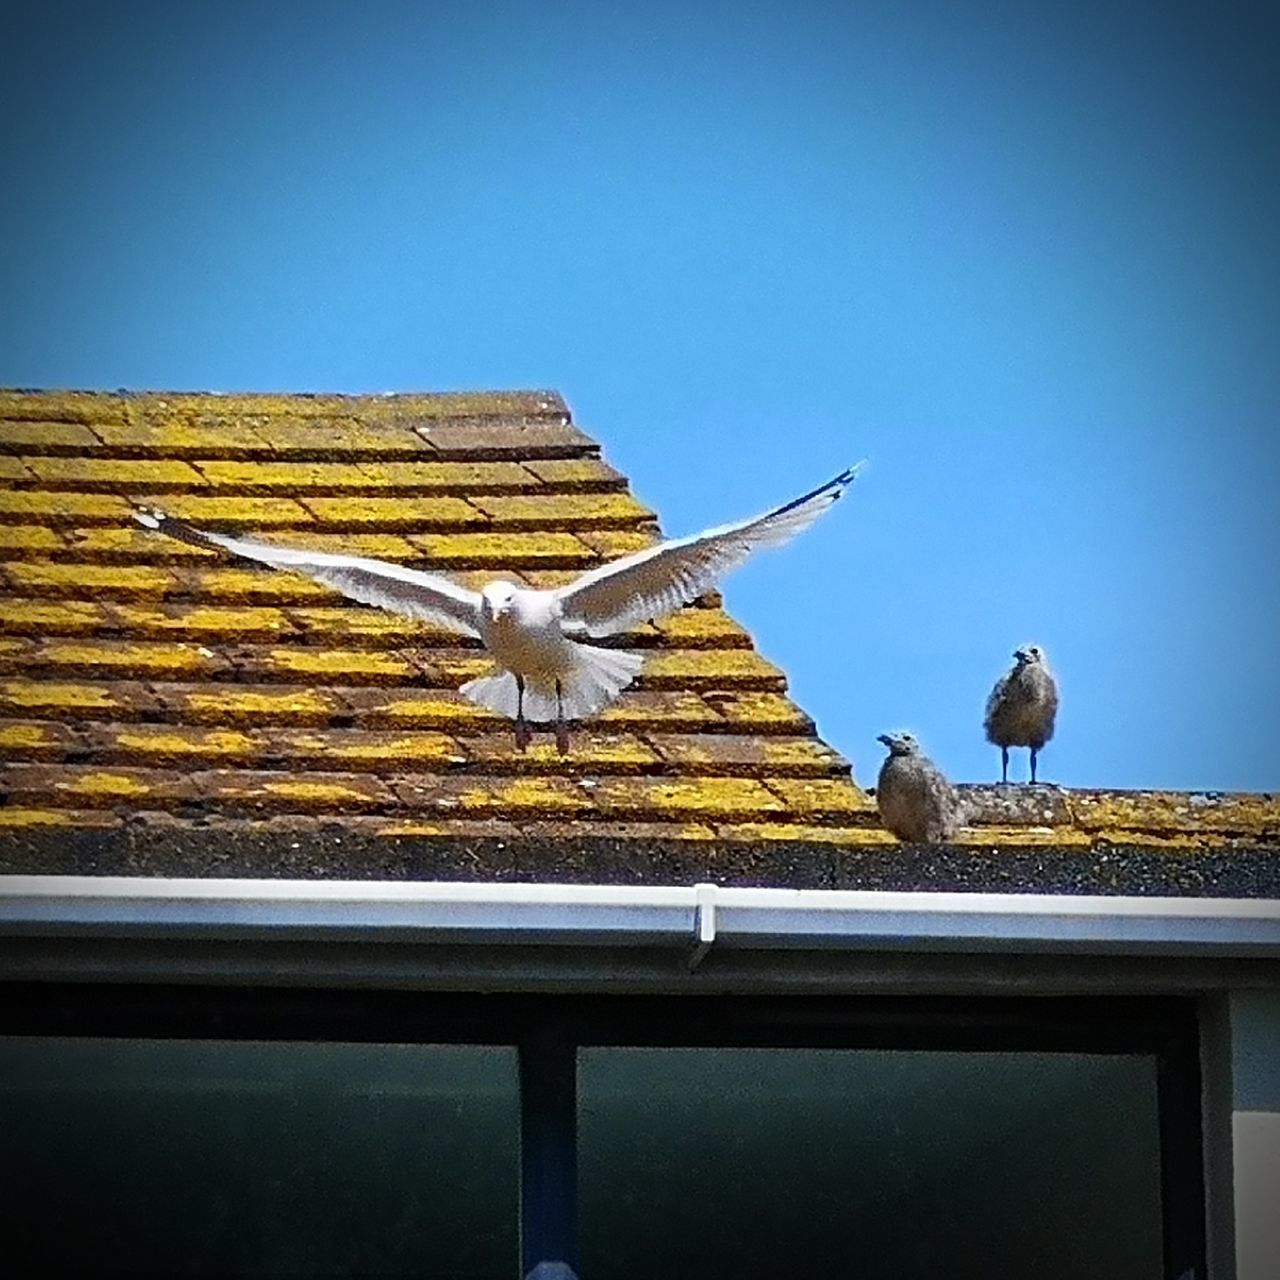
(700, 918)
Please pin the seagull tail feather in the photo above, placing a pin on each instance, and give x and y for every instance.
(596, 678)
(599, 675)
(496, 693)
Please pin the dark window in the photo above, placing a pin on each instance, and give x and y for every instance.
(224, 1158)
(221, 1131)
(880, 1164)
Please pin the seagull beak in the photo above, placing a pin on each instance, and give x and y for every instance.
(884, 737)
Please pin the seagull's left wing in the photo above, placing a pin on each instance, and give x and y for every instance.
(658, 580)
(393, 587)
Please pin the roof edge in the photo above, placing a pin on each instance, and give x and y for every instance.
(701, 916)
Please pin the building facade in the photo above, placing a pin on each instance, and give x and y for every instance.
(307, 971)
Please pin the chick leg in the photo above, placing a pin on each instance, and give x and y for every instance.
(1004, 764)
(1033, 764)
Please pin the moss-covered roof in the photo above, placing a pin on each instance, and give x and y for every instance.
(166, 710)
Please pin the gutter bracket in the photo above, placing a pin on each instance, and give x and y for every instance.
(704, 924)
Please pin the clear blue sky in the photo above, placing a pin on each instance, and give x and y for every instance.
(1023, 258)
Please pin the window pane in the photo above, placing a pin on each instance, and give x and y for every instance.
(167, 1157)
(781, 1162)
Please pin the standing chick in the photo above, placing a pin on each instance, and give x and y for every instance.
(1022, 707)
(916, 801)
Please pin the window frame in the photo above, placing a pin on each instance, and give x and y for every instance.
(549, 1029)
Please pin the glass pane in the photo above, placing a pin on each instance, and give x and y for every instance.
(879, 1165)
(183, 1158)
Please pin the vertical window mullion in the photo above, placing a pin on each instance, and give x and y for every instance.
(1181, 1158)
(548, 1154)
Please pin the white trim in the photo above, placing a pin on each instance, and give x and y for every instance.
(758, 919)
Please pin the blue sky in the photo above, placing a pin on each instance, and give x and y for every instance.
(1022, 258)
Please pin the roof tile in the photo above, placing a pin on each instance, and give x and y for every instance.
(1115, 811)
(37, 739)
(127, 544)
(69, 699)
(51, 617)
(178, 438)
(14, 470)
(46, 437)
(563, 511)
(94, 785)
(338, 439)
(613, 752)
(48, 578)
(750, 755)
(93, 657)
(576, 474)
(711, 669)
(465, 478)
(427, 512)
(813, 798)
(284, 477)
(37, 506)
(116, 473)
(322, 665)
(203, 622)
(238, 789)
(61, 406)
(17, 540)
(16, 817)
(232, 704)
(241, 512)
(504, 550)
(700, 798)
(518, 439)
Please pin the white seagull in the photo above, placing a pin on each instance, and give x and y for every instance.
(544, 670)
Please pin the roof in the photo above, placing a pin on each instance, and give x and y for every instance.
(166, 711)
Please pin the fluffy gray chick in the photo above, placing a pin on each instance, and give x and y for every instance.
(1022, 707)
(916, 801)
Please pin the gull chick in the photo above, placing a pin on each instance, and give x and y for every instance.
(1022, 707)
(915, 800)
(545, 671)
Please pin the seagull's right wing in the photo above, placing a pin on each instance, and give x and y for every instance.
(388, 586)
(657, 581)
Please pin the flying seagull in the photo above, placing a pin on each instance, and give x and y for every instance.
(1022, 707)
(545, 669)
(915, 800)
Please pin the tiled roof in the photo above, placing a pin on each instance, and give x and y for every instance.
(166, 710)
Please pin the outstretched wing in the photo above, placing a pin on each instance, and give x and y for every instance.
(388, 586)
(658, 580)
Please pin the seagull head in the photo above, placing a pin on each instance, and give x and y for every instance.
(496, 599)
(900, 744)
(1031, 655)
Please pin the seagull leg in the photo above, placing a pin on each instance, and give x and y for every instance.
(1004, 764)
(1033, 764)
(524, 734)
(562, 729)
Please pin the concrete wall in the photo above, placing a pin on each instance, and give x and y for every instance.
(1255, 1132)
(1241, 1039)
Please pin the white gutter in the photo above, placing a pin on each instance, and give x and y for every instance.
(699, 917)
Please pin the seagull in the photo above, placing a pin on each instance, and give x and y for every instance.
(915, 800)
(1022, 707)
(546, 669)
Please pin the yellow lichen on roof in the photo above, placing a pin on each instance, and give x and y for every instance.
(150, 681)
